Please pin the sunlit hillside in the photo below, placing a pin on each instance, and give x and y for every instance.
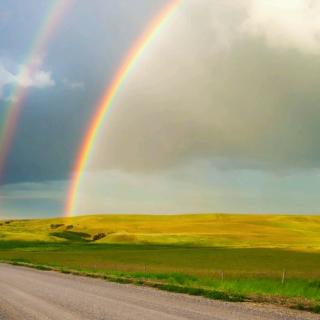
(269, 231)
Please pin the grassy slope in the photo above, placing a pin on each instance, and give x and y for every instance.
(246, 231)
(188, 251)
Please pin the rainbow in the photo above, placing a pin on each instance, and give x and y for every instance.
(111, 91)
(33, 61)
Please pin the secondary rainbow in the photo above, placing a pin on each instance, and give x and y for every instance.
(33, 61)
(98, 118)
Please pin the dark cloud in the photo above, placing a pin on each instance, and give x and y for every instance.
(210, 88)
(86, 48)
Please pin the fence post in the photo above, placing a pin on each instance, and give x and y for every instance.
(283, 276)
(222, 275)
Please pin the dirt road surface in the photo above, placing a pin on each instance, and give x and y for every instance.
(31, 294)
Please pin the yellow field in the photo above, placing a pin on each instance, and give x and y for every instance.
(242, 231)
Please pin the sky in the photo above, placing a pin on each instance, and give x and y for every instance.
(219, 114)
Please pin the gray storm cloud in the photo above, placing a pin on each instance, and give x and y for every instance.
(235, 83)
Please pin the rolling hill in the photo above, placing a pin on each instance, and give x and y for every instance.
(216, 230)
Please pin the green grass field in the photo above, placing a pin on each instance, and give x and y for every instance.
(242, 255)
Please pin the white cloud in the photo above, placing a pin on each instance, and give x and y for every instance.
(37, 78)
(5, 78)
(285, 23)
(5, 75)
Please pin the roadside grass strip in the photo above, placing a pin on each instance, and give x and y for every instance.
(144, 280)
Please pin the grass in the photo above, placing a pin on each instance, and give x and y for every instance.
(250, 251)
(245, 231)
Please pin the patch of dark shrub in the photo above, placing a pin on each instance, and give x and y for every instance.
(98, 236)
(56, 225)
(72, 235)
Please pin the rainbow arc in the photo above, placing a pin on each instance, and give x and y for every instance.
(111, 91)
(34, 59)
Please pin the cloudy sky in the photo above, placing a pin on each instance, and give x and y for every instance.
(220, 113)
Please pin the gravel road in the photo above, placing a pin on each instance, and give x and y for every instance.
(29, 294)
